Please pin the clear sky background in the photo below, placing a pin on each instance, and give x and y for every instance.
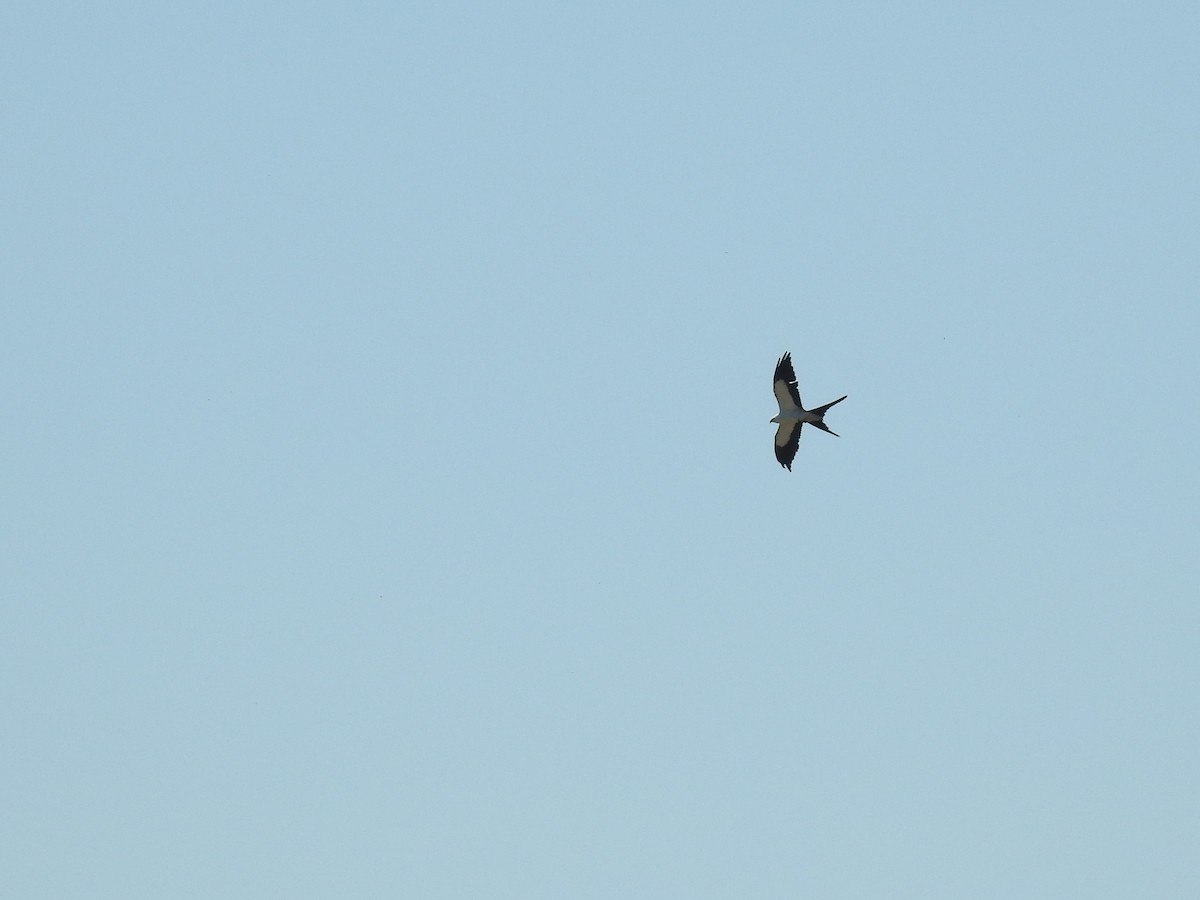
(389, 503)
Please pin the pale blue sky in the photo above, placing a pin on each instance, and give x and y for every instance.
(389, 500)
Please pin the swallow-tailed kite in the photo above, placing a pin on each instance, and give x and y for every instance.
(792, 414)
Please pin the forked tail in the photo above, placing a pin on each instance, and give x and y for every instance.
(820, 410)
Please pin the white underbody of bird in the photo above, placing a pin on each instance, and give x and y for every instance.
(792, 414)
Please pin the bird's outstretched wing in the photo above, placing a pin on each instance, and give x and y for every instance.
(786, 392)
(787, 441)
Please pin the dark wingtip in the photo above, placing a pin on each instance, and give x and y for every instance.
(784, 370)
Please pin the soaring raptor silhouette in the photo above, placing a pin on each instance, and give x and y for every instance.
(792, 414)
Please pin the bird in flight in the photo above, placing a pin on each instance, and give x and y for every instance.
(792, 414)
